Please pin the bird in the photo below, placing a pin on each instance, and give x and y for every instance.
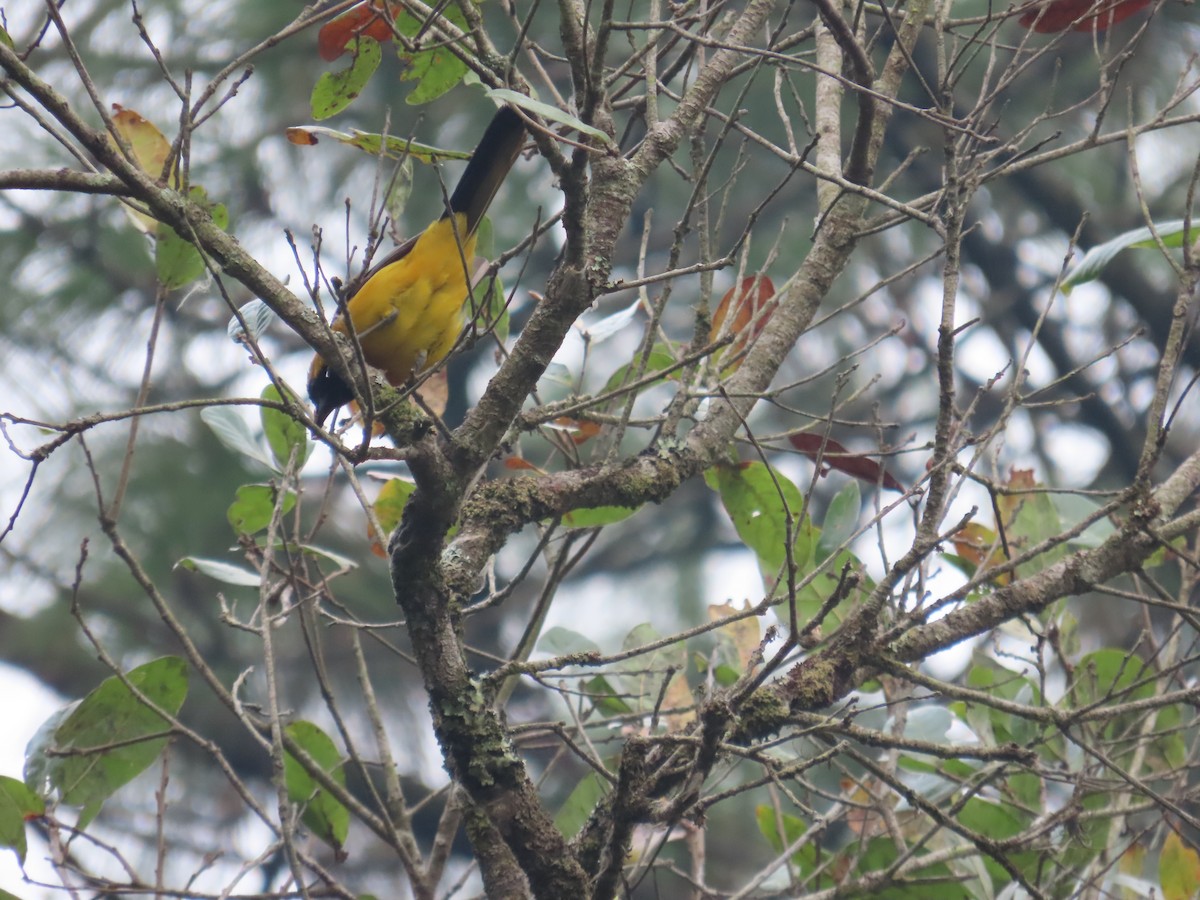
(408, 312)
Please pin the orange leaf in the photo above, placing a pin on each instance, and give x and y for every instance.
(1079, 15)
(516, 464)
(747, 307)
(834, 455)
(301, 136)
(580, 430)
(979, 545)
(368, 19)
(1010, 504)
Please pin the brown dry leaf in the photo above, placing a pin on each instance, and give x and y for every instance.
(751, 305)
(861, 817)
(679, 696)
(435, 392)
(301, 136)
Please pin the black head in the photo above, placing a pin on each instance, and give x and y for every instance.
(327, 392)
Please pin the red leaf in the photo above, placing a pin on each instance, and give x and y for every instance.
(834, 455)
(367, 19)
(1079, 15)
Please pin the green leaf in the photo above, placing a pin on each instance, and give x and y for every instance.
(579, 804)
(323, 813)
(841, 520)
(1036, 520)
(1073, 509)
(559, 641)
(485, 238)
(726, 675)
(27, 801)
(999, 821)
(283, 432)
(437, 69)
(596, 516)
(37, 756)
(1026, 787)
(546, 111)
(995, 726)
(491, 313)
(17, 804)
(232, 431)
(606, 699)
(1108, 676)
(176, 259)
(392, 147)
(399, 189)
(257, 316)
(781, 831)
(389, 505)
(759, 505)
(334, 91)
(105, 741)
(221, 571)
(338, 559)
(6, 40)
(937, 881)
(1094, 261)
(659, 359)
(254, 507)
(642, 677)
(810, 598)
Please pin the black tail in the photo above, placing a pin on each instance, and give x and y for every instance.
(493, 157)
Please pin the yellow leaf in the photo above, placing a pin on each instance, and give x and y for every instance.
(150, 150)
(1178, 869)
(744, 634)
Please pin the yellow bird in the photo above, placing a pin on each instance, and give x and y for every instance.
(409, 311)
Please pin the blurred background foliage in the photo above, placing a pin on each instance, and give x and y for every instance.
(80, 292)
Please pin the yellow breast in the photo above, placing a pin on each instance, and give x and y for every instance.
(409, 314)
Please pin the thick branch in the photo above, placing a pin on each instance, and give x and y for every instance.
(473, 739)
(71, 180)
